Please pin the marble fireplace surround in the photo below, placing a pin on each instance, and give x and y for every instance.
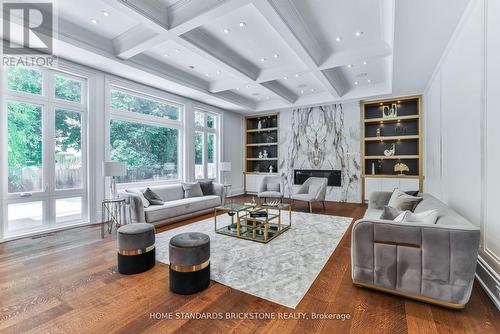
(325, 137)
(280, 271)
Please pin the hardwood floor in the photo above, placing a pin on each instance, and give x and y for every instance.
(67, 282)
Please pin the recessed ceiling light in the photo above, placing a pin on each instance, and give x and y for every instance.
(312, 90)
(338, 39)
(262, 59)
(105, 13)
(285, 78)
(177, 50)
(247, 86)
(237, 88)
(365, 62)
(297, 75)
(356, 83)
(359, 33)
(349, 65)
(369, 80)
(276, 55)
(301, 92)
(166, 55)
(94, 21)
(243, 24)
(226, 31)
(207, 74)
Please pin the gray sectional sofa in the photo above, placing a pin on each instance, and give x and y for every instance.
(432, 263)
(176, 206)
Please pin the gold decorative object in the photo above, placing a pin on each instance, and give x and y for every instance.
(401, 167)
(378, 133)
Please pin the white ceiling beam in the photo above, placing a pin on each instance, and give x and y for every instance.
(343, 58)
(282, 15)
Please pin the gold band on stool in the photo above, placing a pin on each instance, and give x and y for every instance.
(189, 269)
(129, 252)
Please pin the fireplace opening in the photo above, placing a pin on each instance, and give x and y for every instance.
(334, 176)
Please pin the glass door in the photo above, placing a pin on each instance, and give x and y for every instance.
(45, 183)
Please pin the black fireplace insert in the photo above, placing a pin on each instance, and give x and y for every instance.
(334, 176)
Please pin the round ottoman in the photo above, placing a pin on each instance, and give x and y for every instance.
(136, 248)
(189, 255)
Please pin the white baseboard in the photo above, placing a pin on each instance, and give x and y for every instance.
(489, 281)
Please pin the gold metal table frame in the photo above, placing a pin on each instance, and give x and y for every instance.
(259, 229)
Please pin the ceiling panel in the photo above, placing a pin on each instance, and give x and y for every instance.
(302, 83)
(251, 36)
(331, 19)
(365, 73)
(83, 13)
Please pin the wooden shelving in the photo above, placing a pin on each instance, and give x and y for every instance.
(400, 130)
(391, 120)
(262, 144)
(263, 130)
(387, 138)
(261, 138)
(394, 157)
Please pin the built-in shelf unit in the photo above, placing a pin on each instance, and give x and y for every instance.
(387, 125)
(261, 149)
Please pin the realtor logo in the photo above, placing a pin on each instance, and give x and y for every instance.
(27, 28)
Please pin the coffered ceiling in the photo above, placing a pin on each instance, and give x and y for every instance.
(243, 55)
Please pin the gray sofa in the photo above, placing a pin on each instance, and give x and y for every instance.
(432, 263)
(176, 207)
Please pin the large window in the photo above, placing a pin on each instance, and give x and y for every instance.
(205, 145)
(145, 133)
(45, 113)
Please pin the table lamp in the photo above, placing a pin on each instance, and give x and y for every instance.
(113, 169)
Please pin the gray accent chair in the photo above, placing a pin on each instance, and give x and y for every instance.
(175, 208)
(431, 263)
(266, 188)
(313, 190)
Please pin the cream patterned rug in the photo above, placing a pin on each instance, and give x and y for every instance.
(281, 271)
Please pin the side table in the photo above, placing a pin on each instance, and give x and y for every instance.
(113, 214)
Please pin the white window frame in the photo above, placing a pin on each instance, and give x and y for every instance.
(206, 130)
(135, 117)
(49, 194)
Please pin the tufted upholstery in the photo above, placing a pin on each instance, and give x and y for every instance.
(433, 261)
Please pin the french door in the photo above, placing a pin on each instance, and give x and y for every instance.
(44, 116)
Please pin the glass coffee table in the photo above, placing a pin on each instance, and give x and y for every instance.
(260, 223)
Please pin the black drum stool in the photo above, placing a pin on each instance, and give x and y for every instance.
(189, 255)
(136, 248)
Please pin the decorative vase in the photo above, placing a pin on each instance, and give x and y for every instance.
(379, 132)
(271, 169)
(259, 125)
(264, 154)
(261, 155)
(373, 168)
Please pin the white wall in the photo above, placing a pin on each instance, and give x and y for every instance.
(462, 153)
(232, 147)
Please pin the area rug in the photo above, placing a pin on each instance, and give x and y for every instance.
(280, 271)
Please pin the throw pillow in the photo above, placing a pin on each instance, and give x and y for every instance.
(426, 217)
(192, 190)
(390, 213)
(412, 192)
(152, 197)
(402, 201)
(273, 187)
(207, 188)
(144, 200)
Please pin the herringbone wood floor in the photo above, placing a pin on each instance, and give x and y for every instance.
(67, 282)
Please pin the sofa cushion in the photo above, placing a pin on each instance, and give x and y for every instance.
(425, 217)
(446, 215)
(389, 213)
(275, 194)
(207, 187)
(192, 190)
(153, 197)
(402, 201)
(169, 192)
(180, 207)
